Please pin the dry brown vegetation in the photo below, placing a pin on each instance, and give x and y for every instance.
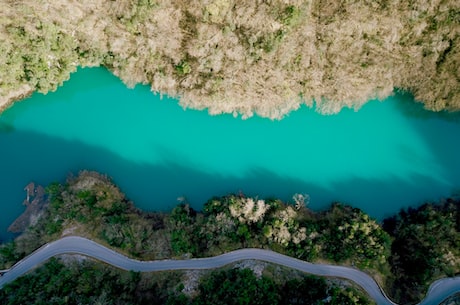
(227, 56)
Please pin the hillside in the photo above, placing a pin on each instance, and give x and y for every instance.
(241, 57)
(405, 255)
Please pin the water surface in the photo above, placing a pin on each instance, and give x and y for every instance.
(386, 156)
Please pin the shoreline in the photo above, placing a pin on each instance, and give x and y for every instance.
(264, 58)
(92, 207)
(16, 96)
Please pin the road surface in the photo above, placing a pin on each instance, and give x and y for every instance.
(438, 291)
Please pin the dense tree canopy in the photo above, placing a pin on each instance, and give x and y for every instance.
(405, 255)
(266, 57)
(426, 246)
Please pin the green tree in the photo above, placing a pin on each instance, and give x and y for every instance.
(236, 287)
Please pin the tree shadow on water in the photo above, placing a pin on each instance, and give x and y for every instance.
(29, 156)
(413, 109)
(440, 132)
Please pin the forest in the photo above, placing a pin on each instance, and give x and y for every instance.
(87, 282)
(242, 57)
(404, 254)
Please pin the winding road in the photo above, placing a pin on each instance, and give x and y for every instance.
(438, 291)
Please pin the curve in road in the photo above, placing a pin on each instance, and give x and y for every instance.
(439, 290)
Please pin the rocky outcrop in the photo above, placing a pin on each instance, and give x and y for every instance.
(35, 202)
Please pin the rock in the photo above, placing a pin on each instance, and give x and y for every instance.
(35, 202)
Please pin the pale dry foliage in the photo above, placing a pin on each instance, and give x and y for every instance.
(301, 200)
(285, 229)
(241, 57)
(246, 210)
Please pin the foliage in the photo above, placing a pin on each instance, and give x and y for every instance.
(347, 296)
(9, 254)
(334, 54)
(183, 68)
(426, 246)
(92, 206)
(81, 283)
(308, 291)
(241, 286)
(351, 234)
(42, 55)
(236, 287)
(416, 247)
(183, 224)
(77, 281)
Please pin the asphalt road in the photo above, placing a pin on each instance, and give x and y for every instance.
(438, 291)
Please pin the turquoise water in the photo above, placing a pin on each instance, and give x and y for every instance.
(386, 156)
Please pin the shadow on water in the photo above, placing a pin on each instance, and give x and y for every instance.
(415, 110)
(43, 159)
(6, 128)
(441, 135)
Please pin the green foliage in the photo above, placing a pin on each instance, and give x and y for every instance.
(311, 290)
(343, 233)
(243, 232)
(426, 246)
(270, 41)
(183, 68)
(180, 299)
(308, 291)
(290, 16)
(136, 14)
(237, 287)
(215, 206)
(347, 296)
(183, 227)
(53, 189)
(352, 235)
(103, 211)
(47, 56)
(53, 226)
(79, 283)
(183, 214)
(241, 286)
(86, 282)
(9, 254)
(182, 242)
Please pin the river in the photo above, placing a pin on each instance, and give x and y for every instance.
(386, 156)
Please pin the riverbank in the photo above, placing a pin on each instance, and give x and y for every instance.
(89, 205)
(243, 58)
(36, 202)
(8, 99)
